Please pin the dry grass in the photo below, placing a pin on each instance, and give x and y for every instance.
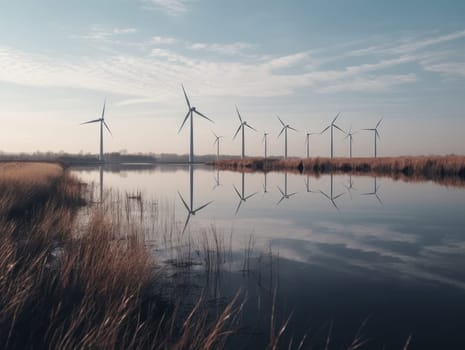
(98, 289)
(94, 290)
(449, 170)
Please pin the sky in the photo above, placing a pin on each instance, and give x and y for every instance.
(304, 61)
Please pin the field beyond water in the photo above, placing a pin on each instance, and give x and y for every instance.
(96, 288)
(447, 169)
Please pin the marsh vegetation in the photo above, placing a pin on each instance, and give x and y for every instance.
(449, 170)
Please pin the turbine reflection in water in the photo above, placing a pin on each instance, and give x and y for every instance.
(190, 207)
(375, 191)
(241, 195)
(331, 195)
(285, 194)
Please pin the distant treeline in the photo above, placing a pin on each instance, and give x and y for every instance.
(426, 167)
(113, 157)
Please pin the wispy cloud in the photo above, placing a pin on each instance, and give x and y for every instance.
(170, 7)
(449, 69)
(162, 40)
(369, 84)
(98, 33)
(141, 76)
(227, 49)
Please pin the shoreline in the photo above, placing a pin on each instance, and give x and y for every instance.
(434, 168)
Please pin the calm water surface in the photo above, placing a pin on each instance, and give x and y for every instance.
(376, 259)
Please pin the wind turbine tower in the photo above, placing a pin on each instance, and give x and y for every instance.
(350, 135)
(242, 126)
(332, 125)
(190, 114)
(265, 141)
(217, 141)
(375, 132)
(285, 127)
(102, 122)
(307, 142)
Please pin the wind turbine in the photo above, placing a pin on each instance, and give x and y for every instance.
(265, 186)
(241, 195)
(101, 183)
(350, 186)
(307, 185)
(284, 194)
(265, 141)
(217, 141)
(190, 208)
(217, 179)
(332, 125)
(350, 135)
(242, 126)
(307, 142)
(374, 192)
(375, 132)
(285, 127)
(190, 113)
(331, 196)
(102, 122)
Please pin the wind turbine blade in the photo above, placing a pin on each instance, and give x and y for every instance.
(203, 206)
(280, 200)
(290, 195)
(235, 189)
(238, 206)
(379, 199)
(378, 123)
(184, 122)
(215, 134)
(185, 95)
(203, 115)
(238, 114)
(337, 127)
(250, 196)
(281, 121)
(281, 131)
(92, 121)
(324, 194)
(106, 126)
(103, 111)
(238, 129)
(377, 134)
(368, 129)
(184, 202)
(338, 196)
(290, 127)
(335, 206)
(337, 116)
(325, 129)
(251, 127)
(280, 190)
(187, 221)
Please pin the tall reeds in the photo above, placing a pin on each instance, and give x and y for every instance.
(447, 169)
(97, 289)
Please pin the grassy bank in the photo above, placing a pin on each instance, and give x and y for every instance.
(64, 289)
(419, 168)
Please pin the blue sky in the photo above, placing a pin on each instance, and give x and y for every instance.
(302, 60)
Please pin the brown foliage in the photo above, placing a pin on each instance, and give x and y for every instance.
(448, 170)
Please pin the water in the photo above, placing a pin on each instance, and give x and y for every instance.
(345, 257)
